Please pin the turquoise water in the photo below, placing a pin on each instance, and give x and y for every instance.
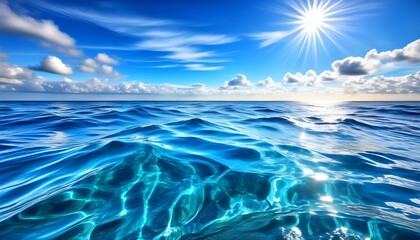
(209, 170)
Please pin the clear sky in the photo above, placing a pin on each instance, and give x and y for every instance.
(210, 49)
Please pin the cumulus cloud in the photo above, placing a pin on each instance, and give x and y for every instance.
(410, 53)
(109, 71)
(310, 78)
(98, 86)
(236, 82)
(384, 85)
(101, 86)
(299, 77)
(374, 61)
(91, 65)
(105, 59)
(268, 82)
(13, 74)
(328, 76)
(354, 66)
(45, 30)
(52, 64)
(293, 78)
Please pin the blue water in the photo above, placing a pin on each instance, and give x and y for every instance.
(209, 170)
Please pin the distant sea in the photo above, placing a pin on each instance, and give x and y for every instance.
(209, 170)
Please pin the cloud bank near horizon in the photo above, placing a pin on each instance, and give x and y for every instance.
(352, 75)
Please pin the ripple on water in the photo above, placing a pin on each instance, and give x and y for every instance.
(209, 170)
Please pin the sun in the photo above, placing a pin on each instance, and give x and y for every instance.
(312, 21)
(316, 22)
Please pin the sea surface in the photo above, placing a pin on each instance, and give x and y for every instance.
(209, 170)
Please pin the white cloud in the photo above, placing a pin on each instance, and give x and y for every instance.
(310, 78)
(63, 50)
(13, 74)
(178, 39)
(328, 76)
(27, 82)
(44, 30)
(384, 85)
(121, 24)
(201, 67)
(90, 65)
(156, 35)
(53, 64)
(20, 79)
(97, 86)
(109, 72)
(160, 33)
(293, 78)
(184, 47)
(354, 66)
(268, 82)
(351, 71)
(269, 38)
(167, 66)
(374, 61)
(187, 54)
(410, 53)
(105, 59)
(180, 51)
(236, 82)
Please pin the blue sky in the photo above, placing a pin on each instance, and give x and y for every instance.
(210, 49)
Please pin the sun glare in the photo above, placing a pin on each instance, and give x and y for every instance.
(312, 21)
(317, 21)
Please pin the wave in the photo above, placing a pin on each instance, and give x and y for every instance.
(198, 170)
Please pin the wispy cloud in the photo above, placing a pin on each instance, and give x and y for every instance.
(201, 67)
(157, 35)
(269, 38)
(167, 66)
(121, 24)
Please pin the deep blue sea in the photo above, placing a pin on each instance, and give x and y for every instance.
(209, 170)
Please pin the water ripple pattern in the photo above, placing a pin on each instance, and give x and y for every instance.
(209, 170)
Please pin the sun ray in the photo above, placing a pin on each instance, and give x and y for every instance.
(317, 22)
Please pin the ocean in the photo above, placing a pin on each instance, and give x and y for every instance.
(209, 170)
